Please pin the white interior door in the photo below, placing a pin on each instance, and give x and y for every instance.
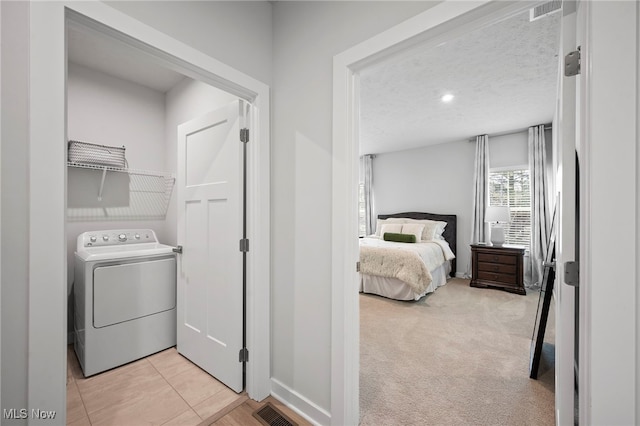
(210, 225)
(567, 237)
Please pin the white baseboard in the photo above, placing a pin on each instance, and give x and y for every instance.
(298, 403)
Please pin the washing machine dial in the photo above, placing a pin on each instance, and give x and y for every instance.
(93, 238)
(105, 238)
(137, 236)
(122, 237)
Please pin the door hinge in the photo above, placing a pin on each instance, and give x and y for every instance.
(243, 355)
(572, 63)
(572, 273)
(244, 135)
(357, 266)
(244, 245)
(177, 249)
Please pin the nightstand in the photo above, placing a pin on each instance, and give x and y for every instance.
(498, 266)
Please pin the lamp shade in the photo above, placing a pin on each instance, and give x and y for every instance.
(497, 214)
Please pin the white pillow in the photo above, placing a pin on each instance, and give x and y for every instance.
(413, 229)
(381, 222)
(440, 230)
(432, 228)
(395, 228)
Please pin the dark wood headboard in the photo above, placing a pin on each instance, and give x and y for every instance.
(450, 233)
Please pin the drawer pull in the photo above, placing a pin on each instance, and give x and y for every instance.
(495, 258)
(495, 268)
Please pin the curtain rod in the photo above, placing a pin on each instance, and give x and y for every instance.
(511, 132)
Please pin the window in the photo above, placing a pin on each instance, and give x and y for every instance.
(362, 222)
(511, 188)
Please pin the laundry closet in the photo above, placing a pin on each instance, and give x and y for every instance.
(119, 97)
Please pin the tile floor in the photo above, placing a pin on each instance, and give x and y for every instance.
(162, 389)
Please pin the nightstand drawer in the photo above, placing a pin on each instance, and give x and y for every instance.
(497, 258)
(501, 278)
(497, 267)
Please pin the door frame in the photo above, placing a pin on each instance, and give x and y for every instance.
(564, 143)
(442, 22)
(47, 173)
(609, 279)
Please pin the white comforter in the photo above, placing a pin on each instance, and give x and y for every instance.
(409, 262)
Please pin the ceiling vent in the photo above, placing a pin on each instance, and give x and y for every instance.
(544, 9)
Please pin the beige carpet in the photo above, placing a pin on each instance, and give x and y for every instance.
(460, 356)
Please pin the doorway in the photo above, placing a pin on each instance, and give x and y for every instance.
(424, 162)
(440, 24)
(48, 178)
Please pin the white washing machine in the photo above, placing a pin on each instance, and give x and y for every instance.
(124, 297)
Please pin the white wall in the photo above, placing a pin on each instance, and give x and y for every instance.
(111, 111)
(306, 37)
(107, 110)
(509, 150)
(185, 101)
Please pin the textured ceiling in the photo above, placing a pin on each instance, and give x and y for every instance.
(115, 58)
(503, 78)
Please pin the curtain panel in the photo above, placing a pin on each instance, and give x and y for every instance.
(539, 205)
(366, 165)
(479, 229)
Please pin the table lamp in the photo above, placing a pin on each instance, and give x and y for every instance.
(497, 216)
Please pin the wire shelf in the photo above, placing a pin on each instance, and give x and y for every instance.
(102, 193)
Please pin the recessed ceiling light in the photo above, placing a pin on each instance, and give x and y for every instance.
(447, 98)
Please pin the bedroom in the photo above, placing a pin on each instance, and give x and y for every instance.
(503, 80)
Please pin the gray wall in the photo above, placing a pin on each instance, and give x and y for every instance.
(237, 33)
(15, 202)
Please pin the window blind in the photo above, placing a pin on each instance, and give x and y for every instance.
(511, 188)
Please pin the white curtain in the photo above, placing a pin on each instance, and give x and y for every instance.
(479, 229)
(367, 168)
(539, 208)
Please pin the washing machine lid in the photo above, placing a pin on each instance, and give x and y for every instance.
(119, 244)
(121, 252)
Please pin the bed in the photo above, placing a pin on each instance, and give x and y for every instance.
(408, 271)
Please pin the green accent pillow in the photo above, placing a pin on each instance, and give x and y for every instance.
(399, 238)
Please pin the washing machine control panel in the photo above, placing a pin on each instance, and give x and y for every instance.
(117, 237)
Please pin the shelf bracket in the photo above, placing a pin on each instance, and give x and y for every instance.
(104, 175)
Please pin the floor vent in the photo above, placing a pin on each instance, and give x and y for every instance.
(271, 416)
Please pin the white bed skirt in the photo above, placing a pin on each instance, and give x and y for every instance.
(393, 288)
